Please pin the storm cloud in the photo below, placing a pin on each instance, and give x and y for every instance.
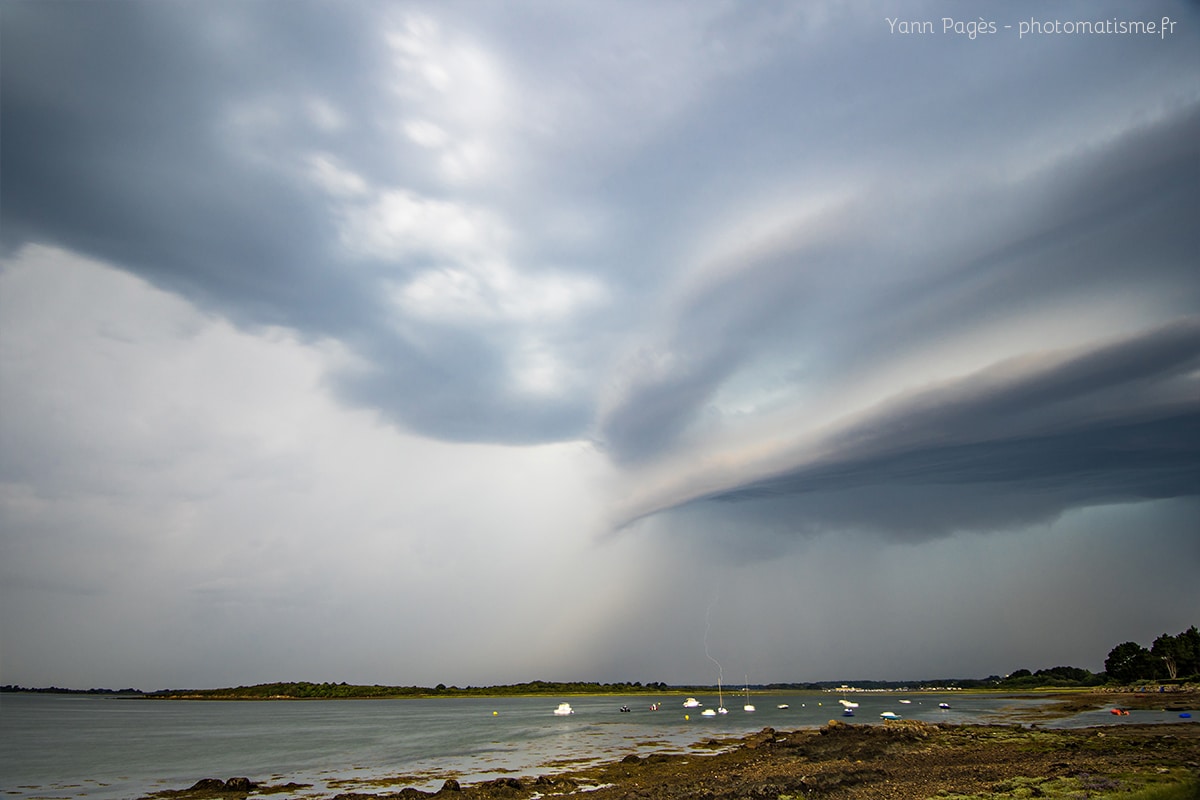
(310, 311)
(1013, 444)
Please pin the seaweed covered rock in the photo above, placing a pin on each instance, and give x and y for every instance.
(238, 785)
(500, 787)
(558, 783)
(765, 736)
(208, 785)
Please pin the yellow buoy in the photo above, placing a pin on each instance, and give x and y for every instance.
(685, 716)
(495, 713)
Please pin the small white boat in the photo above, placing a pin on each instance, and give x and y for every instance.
(708, 712)
(848, 704)
(564, 709)
(847, 712)
(906, 702)
(783, 705)
(943, 705)
(691, 702)
(890, 715)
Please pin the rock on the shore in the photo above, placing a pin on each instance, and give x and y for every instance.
(218, 785)
(208, 785)
(765, 736)
(499, 787)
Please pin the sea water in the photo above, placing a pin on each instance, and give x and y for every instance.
(72, 746)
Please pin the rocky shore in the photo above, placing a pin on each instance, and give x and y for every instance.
(905, 760)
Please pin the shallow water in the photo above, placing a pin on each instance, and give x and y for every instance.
(71, 746)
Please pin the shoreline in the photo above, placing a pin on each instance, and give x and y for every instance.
(905, 760)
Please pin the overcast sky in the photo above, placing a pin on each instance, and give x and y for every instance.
(476, 342)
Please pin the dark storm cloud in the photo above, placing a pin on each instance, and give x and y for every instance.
(115, 146)
(1107, 219)
(1012, 445)
(122, 141)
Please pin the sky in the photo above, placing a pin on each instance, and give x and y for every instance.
(477, 343)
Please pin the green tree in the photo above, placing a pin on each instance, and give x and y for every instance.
(1187, 655)
(1178, 656)
(1166, 650)
(1129, 661)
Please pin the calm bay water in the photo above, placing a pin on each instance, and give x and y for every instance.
(71, 746)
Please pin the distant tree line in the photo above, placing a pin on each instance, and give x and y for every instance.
(11, 688)
(304, 690)
(1054, 676)
(1169, 658)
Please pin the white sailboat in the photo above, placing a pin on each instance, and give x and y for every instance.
(749, 706)
(721, 698)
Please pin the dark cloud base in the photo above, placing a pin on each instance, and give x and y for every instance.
(987, 485)
(1020, 441)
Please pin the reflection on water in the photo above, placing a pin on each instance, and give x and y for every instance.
(106, 748)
